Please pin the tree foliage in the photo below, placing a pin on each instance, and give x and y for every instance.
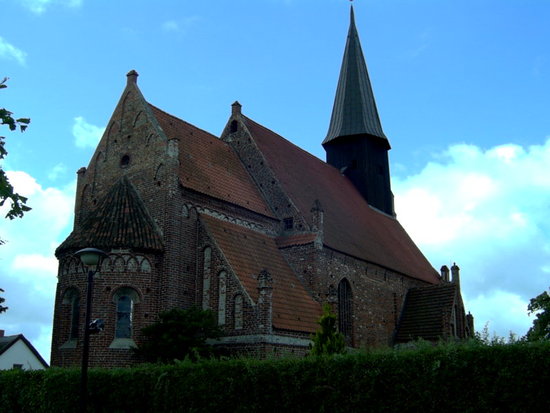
(179, 334)
(18, 203)
(2, 299)
(327, 339)
(540, 305)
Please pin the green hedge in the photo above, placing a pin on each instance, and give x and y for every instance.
(474, 378)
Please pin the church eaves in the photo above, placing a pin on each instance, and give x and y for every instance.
(354, 111)
(120, 221)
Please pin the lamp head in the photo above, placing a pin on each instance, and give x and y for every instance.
(91, 257)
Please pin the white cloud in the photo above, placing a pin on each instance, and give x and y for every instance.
(488, 211)
(170, 26)
(58, 170)
(180, 25)
(9, 51)
(27, 260)
(40, 6)
(86, 135)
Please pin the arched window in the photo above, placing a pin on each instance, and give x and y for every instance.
(238, 312)
(125, 299)
(222, 293)
(72, 298)
(345, 310)
(207, 259)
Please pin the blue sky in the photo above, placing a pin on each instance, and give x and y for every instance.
(463, 92)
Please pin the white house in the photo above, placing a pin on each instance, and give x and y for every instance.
(16, 352)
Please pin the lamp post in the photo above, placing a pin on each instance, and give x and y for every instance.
(91, 258)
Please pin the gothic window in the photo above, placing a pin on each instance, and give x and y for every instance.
(222, 293)
(207, 259)
(345, 310)
(238, 312)
(72, 298)
(234, 127)
(125, 299)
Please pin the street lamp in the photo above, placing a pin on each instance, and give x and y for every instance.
(91, 258)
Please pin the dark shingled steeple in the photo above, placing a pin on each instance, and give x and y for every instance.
(354, 110)
(355, 143)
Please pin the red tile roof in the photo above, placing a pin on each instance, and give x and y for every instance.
(248, 253)
(350, 225)
(296, 239)
(210, 166)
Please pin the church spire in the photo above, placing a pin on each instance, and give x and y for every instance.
(354, 110)
(355, 143)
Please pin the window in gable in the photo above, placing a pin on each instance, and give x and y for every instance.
(288, 223)
(125, 161)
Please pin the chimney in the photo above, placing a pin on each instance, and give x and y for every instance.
(445, 273)
(455, 271)
(132, 76)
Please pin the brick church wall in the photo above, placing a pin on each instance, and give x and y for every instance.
(378, 293)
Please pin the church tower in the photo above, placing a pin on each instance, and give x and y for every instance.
(355, 143)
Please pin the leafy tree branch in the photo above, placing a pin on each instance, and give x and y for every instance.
(540, 305)
(18, 203)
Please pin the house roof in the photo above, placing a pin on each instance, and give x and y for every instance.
(425, 311)
(354, 111)
(210, 166)
(350, 224)
(120, 220)
(6, 342)
(248, 253)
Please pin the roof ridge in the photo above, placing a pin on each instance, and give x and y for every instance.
(286, 140)
(183, 121)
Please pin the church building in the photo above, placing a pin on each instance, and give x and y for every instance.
(252, 227)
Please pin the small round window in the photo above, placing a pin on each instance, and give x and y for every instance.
(124, 161)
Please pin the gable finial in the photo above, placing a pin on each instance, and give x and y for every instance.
(132, 76)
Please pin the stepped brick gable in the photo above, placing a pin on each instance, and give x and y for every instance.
(252, 227)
